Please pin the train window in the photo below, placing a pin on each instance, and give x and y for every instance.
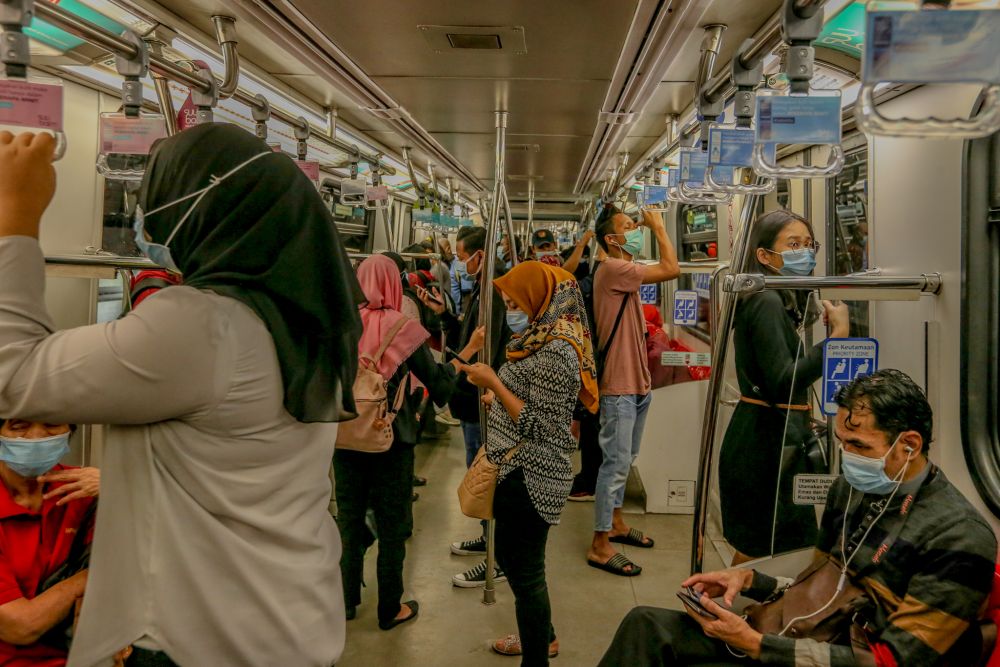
(119, 204)
(848, 230)
(353, 223)
(698, 231)
(980, 338)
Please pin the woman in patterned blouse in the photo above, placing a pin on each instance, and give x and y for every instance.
(550, 362)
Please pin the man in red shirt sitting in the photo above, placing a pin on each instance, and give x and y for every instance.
(46, 525)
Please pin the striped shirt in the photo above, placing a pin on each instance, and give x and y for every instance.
(548, 382)
(928, 584)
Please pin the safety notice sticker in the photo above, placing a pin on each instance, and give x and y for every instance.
(686, 359)
(811, 489)
(844, 360)
(686, 308)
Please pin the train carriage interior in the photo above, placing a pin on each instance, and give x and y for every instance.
(416, 120)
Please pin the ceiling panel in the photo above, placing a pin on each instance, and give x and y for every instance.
(566, 39)
(557, 107)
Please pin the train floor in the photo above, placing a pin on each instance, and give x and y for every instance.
(456, 628)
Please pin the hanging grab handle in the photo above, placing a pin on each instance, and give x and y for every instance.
(983, 124)
(764, 167)
(765, 186)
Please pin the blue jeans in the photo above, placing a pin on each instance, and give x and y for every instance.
(622, 421)
(473, 434)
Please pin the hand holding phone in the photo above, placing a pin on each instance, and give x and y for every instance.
(692, 600)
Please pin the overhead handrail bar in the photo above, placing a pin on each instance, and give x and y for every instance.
(404, 255)
(103, 259)
(412, 173)
(162, 86)
(709, 109)
(752, 283)
(159, 65)
(225, 34)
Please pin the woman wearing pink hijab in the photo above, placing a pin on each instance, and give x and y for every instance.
(384, 481)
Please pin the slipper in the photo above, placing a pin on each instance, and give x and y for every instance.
(634, 538)
(414, 607)
(616, 565)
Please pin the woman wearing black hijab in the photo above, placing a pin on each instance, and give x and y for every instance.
(213, 542)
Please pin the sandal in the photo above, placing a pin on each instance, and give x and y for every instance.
(616, 565)
(634, 538)
(511, 645)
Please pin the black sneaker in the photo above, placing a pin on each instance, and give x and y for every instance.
(477, 577)
(476, 547)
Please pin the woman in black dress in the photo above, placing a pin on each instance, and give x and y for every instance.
(775, 370)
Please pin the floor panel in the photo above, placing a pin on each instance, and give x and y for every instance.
(455, 628)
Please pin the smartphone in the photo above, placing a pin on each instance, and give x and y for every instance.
(421, 292)
(692, 600)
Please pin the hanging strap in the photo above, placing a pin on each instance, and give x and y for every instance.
(389, 338)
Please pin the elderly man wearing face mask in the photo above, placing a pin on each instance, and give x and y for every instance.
(46, 525)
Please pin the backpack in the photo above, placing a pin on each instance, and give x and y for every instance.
(371, 430)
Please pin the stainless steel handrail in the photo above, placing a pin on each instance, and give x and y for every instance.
(112, 261)
(720, 351)
(99, 36)
(486, 310)
(404, 255)
(751, 283)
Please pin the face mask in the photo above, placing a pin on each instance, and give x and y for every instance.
(867, 475)
(799, 262)
(500, 253)
(160, 252)
(479, 265)
(635, 240)
(546, 253)
(31, 458)
(517, 321)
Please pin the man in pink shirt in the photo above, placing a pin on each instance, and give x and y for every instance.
(625, 384)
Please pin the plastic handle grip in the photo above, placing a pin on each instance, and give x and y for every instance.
(764, 167)
(763, 188)
(983, 124)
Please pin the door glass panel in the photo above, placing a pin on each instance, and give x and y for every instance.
(849, 230)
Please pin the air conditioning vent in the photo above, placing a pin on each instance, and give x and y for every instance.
(500, 40)
(467, 41)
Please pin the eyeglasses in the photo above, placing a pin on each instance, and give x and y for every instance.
(797, 245)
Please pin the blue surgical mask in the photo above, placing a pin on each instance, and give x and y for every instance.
(866, 474)
(799, 262)
(517, 321)
(160, 252)
(31, 458)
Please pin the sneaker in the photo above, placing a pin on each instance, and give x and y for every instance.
(476, 547)
(582, 496)
(447, 420)
(477, 577)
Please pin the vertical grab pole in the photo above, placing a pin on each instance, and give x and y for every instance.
(720, 350)
(486, 318)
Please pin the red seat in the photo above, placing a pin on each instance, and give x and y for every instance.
(993, 614)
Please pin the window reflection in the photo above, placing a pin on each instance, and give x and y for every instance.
(849, 230)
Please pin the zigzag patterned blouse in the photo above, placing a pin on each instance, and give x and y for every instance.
(548, 382)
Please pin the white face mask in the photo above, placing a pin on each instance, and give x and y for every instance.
(160, 252)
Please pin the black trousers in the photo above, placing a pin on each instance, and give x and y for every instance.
(590, 454)
(653, 637)
(385, 483)
(521, 535)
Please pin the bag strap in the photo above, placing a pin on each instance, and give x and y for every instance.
(389, 338)
(618, 321)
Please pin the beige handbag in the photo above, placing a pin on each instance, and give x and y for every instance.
(475, 493)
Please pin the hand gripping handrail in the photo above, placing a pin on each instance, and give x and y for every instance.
(765, 186)
(764, 167)
(983, 124)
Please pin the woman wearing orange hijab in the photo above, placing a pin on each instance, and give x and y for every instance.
(550, 362)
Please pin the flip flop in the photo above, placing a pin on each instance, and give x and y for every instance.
(616, 565)
(634, 538)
